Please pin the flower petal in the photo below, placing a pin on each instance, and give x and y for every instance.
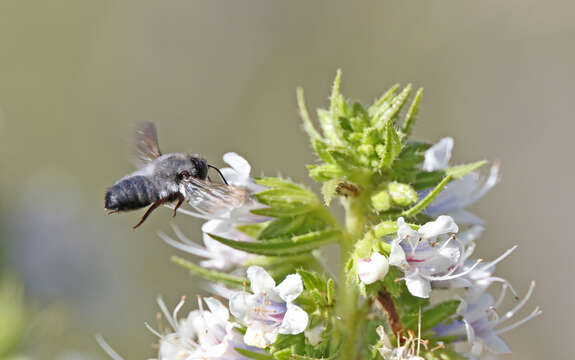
(494, 343)
(442, 225)
(405, 232)
(437, 157)
(238, 163)
(289, 289)
(217, 308)
(240, 304)
(373, 269)
(397, 255)
(261, 281)
(295, 320)
(418, 286)
(255, 336)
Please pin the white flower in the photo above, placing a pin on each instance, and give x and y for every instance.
(458, 194)
(270, 310)
(203, 335)
(403, 352)
(479, 322)
(372, 269)
(428, 254)
(225, 207)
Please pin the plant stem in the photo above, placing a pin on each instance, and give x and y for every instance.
(347, 307)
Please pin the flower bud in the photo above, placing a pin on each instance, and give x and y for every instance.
(373, 269)
(401, 194)
(381, 201)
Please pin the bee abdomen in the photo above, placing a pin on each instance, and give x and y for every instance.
(131, 193)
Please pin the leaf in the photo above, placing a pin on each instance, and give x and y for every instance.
(328, 190)
(253, 355)
(330, 291)
(313, 280)
(211, 275)
(392, 146)
(388, 113)
(276, 182)
(412, 113)
(286, 201)
(282, 247)
(293, 226)
(383, 102)
(345, 159)
(325, 172)
(307, 123)
(427, 179)
(434, 315)
(321, 148)
(420, 206)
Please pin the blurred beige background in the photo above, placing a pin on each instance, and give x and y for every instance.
(218, 76)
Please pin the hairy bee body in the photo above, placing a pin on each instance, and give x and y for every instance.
(159, 180)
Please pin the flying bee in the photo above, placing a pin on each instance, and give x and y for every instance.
(164, 178)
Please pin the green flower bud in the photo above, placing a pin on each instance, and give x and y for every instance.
(401, 194)
(381, 201)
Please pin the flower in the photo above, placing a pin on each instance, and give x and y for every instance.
(373, 269)
(270, 310)
(403, 352)
(458, 194)
(478, 321)
(204, 334)
(428, 254)
(225, 207)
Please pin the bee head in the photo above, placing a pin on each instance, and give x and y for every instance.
(194, 167)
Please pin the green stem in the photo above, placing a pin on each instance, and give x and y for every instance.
(347, 306)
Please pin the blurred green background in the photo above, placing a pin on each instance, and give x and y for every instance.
(218, 76)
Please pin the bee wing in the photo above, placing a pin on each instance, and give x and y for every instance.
(212, 199)
(146, 140)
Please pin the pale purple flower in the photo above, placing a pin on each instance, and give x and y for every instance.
(269, 310)
(460, 193)
(478, 322)
(408, 351)
(429, 254)
(373, 268)
(203, 334)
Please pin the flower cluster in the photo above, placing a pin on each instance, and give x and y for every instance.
(409, 286)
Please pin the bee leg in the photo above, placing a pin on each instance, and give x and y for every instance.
(181, 199)
(149, 211)
(113, 212)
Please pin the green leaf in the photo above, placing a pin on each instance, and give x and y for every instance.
(281, 227)
(307, 123)
(276, 182)
(412, 113)
(330, 291)
(252, 230)
(312, 280)
(427, 179)
(420, 206)
(328, 190)
(211, 275)
(434, 315)
(286, 201)
(388, 113)
(392, 146)
(282, 247)
(325, 172)
(383, 102)
(345, 159)
(321, 148)
(253, 355)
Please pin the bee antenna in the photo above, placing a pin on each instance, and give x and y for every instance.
(219, 172)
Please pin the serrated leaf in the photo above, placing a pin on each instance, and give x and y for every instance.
(282, 247)
(328, 190)
(383, 102)
(253, 355)
(325, 172)
(392, 146)
(281, 227)
(211, 275)
(412, 113)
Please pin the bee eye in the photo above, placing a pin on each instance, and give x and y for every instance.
(183, 175)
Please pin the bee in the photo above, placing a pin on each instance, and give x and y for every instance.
(163, 178)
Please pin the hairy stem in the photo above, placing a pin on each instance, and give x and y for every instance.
(347, 305)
